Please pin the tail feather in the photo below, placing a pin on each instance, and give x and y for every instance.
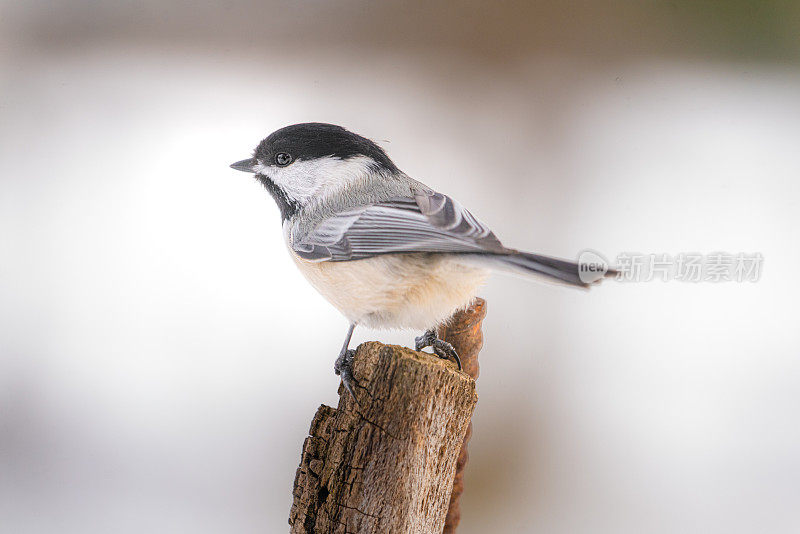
(562, 270)
(552, 269)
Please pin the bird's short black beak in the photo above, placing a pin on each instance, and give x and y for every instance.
(246, 165)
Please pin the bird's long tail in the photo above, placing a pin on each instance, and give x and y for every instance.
(538, 266)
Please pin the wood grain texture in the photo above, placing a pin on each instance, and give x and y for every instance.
(464, 332)
(386, 464)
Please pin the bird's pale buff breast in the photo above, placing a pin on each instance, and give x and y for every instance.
(414, 291)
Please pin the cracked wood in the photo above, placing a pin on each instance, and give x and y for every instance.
(386, 464)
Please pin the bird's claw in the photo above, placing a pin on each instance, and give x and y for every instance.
(440, 347)
(344, 368)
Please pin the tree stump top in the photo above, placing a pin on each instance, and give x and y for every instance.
(386, 463)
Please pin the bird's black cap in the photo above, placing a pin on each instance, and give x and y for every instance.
(313, 140)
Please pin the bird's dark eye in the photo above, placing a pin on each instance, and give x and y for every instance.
(283, 159)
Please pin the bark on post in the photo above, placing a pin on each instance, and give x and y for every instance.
(464, 332)
(386, 464)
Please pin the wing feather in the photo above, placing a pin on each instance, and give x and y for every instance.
(426, 222)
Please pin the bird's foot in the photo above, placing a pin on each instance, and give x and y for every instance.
(441, 348)
(344, 368)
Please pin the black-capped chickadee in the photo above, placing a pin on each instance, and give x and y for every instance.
(386, 250)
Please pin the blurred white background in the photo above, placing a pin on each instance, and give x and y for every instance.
(161, 358)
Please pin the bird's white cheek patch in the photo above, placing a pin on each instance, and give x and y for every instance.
(296, 180)
(302, 180)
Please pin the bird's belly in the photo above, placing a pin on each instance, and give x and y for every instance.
(415, 291)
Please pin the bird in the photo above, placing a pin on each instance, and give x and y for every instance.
(384, 249)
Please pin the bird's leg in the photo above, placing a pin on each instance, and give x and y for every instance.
(344, 364)
(441, 348)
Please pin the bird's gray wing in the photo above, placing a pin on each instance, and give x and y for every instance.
(425, 222)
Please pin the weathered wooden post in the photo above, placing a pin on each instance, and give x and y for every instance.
(465, 334)
(388, 463)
